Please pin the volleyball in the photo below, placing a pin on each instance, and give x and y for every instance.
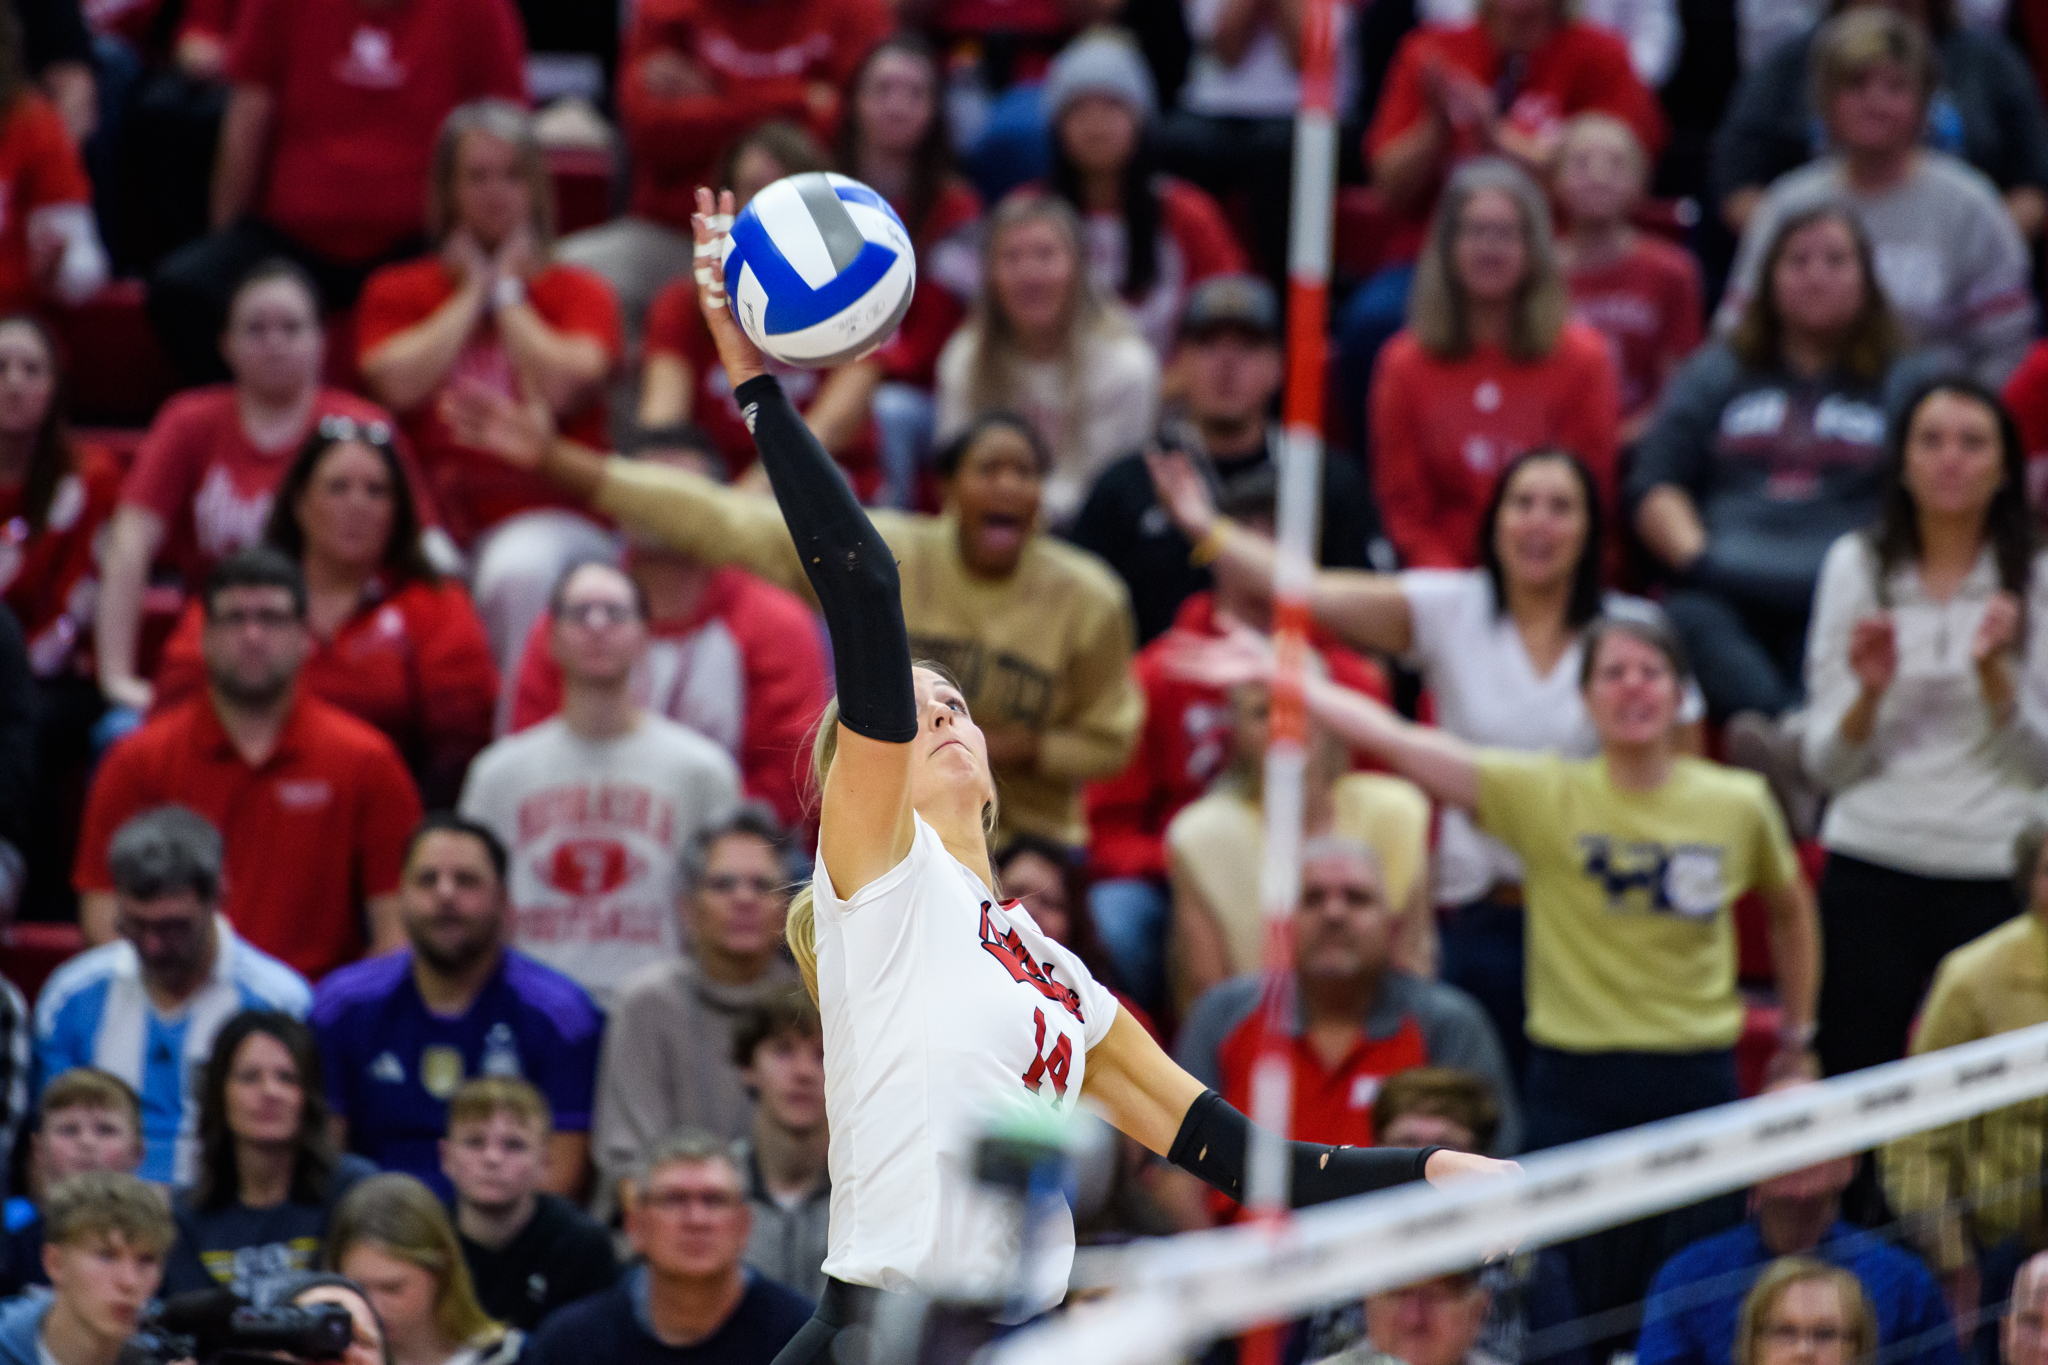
(818, 270)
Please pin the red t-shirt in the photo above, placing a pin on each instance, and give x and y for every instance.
(39, 167)
(948, 274)
(1442, 431)
(197, 470)
(415, 664)
(1579, 68)
(2026, 395)
(473, 489)
(747, 669)
(761, 58)
(358, 93)
(312, 833)
(1647, 305)
(675, 326)
(51, 577)
(1184, 745)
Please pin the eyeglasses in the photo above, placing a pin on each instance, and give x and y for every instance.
(725, 883)
(340, 428)
(592, 615)
(162, 931)
(270, 618)
(1790, 1335)
(681, 1201)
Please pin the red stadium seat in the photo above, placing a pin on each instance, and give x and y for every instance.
(30, 952)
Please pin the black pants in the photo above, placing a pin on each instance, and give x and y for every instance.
(1483, 956)
(1883, 932)
(1577, 1095)
(192, 287)
(841, 1306)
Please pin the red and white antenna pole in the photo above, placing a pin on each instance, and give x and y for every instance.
(1300, 466)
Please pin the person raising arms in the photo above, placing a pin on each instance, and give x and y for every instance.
(903, 942)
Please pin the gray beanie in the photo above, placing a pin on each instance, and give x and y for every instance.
(1100, 62)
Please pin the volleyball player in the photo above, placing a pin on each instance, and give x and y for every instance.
(942, 1005)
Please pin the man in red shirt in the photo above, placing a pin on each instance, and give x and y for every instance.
(491, 306)
(1357, 1020)
(315, 805)
(696, 74)
(730, 655)
(325, 143)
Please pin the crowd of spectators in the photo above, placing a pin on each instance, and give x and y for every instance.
(411, 714)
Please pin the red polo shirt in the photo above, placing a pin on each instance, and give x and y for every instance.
(311, 833)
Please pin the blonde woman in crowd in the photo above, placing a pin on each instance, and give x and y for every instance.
(392, 1236)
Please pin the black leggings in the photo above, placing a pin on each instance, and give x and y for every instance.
(1883, 932)
(842, 1305)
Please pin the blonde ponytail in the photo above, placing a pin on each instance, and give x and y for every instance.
(800, 929)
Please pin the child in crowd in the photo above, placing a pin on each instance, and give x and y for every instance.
(87, 1120)
(529, 1252)
(107, 1234)
(779, 1048)
(1640, 292)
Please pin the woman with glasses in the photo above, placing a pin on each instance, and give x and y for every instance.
(1490, 365)
(392, 1236)
(1803, 1312)
(393, 642)
(269, 1176)
(204, 476)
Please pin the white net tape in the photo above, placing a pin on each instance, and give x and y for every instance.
(1171, 1296)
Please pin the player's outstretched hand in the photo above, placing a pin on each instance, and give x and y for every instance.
(708, 228)
(518, 433)
(1446, 1166)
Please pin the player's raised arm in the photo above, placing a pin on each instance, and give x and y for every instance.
(866, 825)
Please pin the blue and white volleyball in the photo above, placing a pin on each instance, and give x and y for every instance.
(818, 270)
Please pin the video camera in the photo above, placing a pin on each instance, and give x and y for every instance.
(220, 1327)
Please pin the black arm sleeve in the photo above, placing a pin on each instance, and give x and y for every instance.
(1214, 1137)
(849, 564)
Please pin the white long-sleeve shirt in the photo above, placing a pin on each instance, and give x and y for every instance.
(1936, 789)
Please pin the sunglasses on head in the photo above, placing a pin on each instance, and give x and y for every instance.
(339, 428)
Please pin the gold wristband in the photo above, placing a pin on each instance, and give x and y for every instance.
(1210, 547)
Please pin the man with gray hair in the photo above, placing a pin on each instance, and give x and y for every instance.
(1357, 1019)
(147, 1005)
(691, 1300)
(668, 1045)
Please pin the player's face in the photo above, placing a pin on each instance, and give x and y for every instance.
(1343, 928)
(1808, 1325)
(1433, 1323)
(742, 899)
(366, 1342)
(105, 1281)
(451, 901)
(273, 343)
(347, 507)
(254, 641)
(691, 1219)
(495, 1162)
(952, 756)
(86, 1138)
(266, 1096)
(491, 195)
(598, 630)
(1633, 695)
(1817, 280)
(1490, 247)
(788, 1073)
(401, 1293)
(28, 378)
(1543, 525)
(995, 494)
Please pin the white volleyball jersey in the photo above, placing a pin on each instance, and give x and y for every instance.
(943, 1009)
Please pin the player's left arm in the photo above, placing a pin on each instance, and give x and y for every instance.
(1147, 1095)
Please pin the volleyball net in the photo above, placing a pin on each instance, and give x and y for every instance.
(1166, 1300)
